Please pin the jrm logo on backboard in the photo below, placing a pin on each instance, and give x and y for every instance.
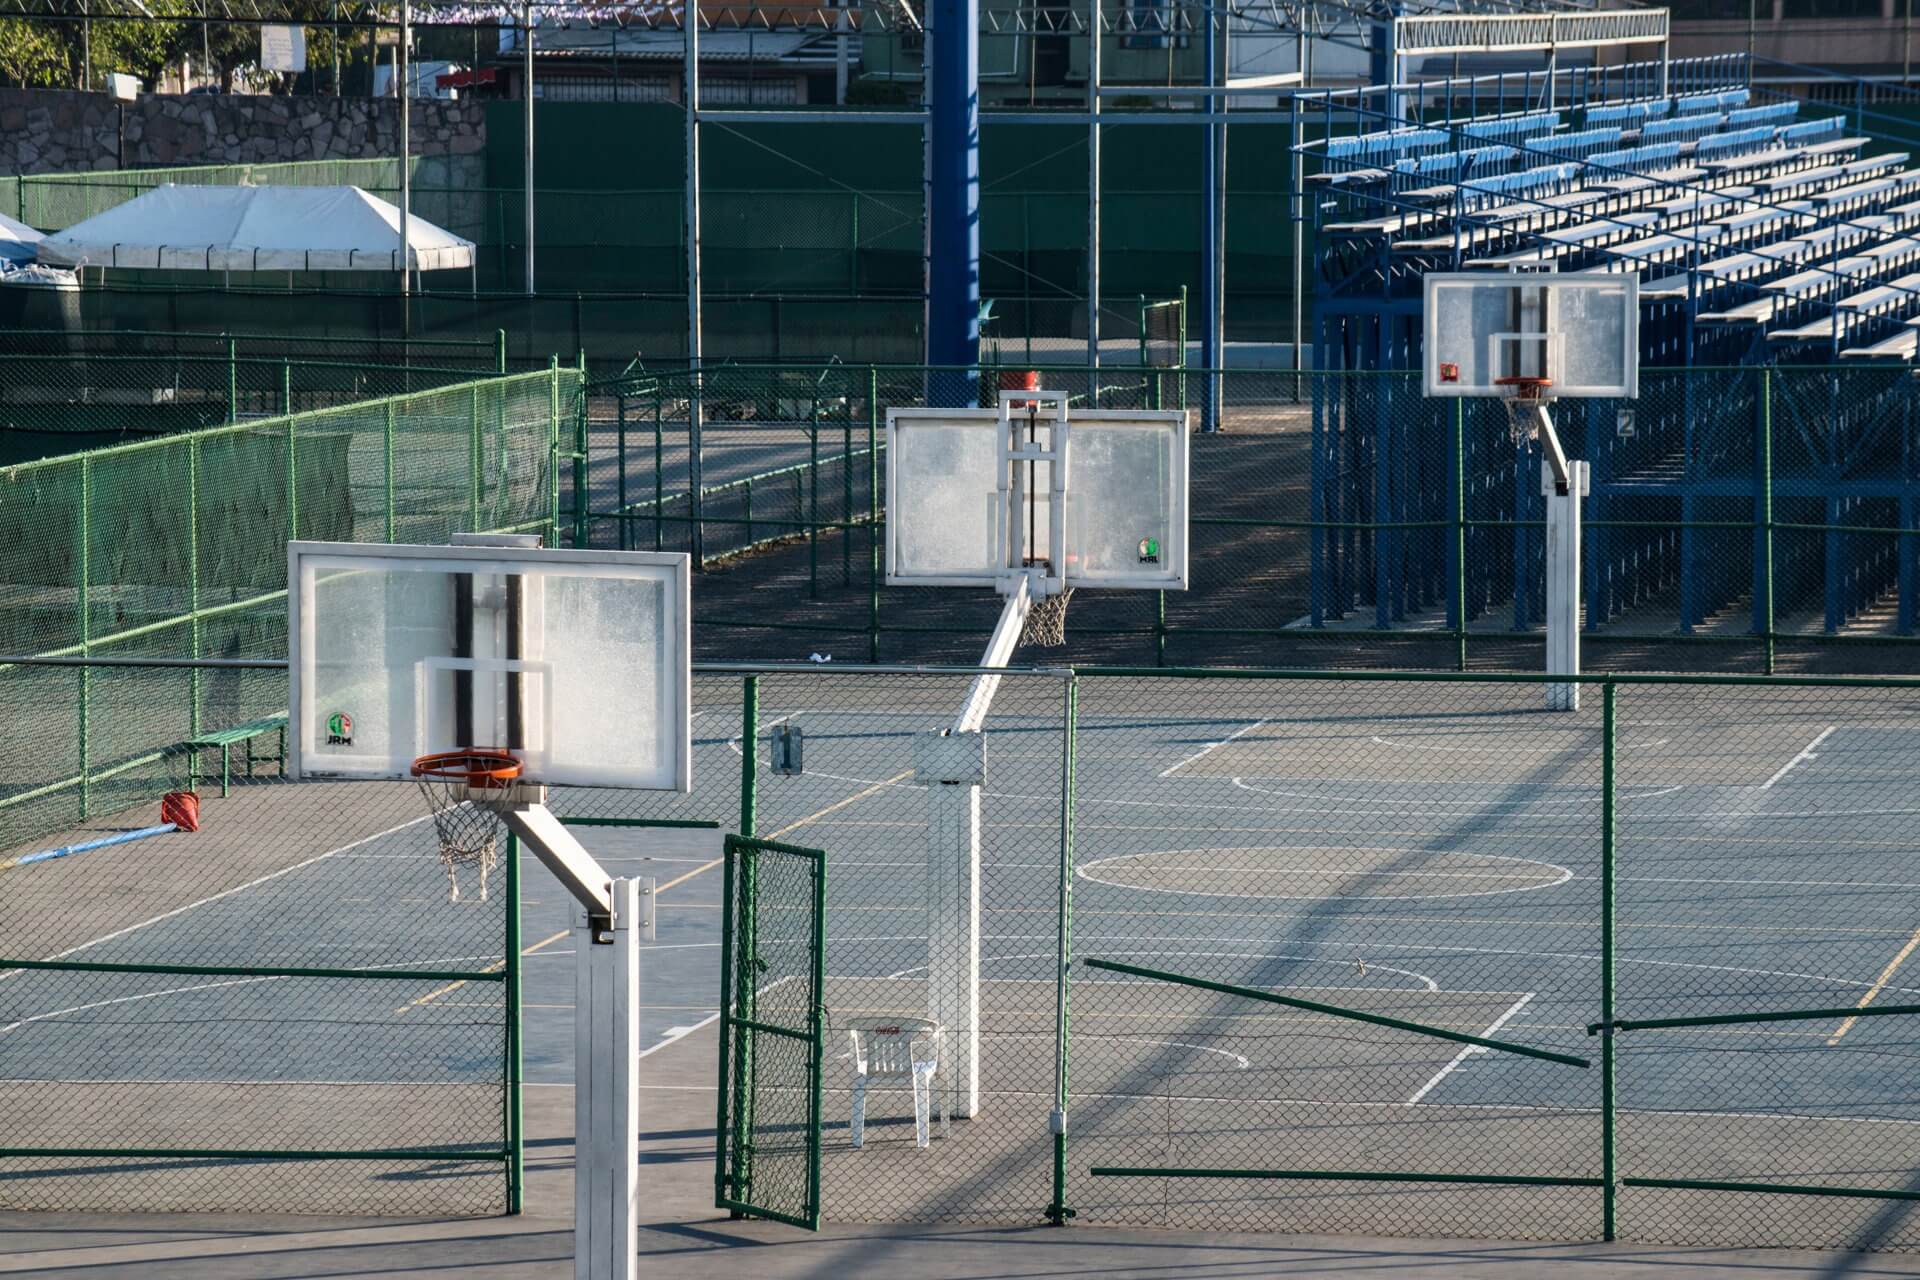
(1149, 551)
(339, 729)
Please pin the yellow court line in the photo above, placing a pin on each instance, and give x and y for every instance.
(495, 967)
(1879, 984)
(793, 826)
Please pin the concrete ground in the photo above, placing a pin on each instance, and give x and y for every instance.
(682, 1236)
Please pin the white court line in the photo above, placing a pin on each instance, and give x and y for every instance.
(1469, 1050)
(677, 1034)
(1211, 746)
(1806, 753)
(683, 1033)
(228, 893)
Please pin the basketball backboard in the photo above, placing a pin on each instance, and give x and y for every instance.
(576, 661)
(964, 510)
(1578, 330)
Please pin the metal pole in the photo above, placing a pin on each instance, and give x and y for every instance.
(690, 102)
(516, 1130)
(406, 175)
(750, 753)
(1057, 1212)
(1093, 204)
(1210, 229)
(1608, 1173)
(840, 50)
(526, 154)
(953, 210)
(1766, 512)
(1297, 206)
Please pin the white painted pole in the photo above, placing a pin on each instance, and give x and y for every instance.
(1563, 581)
(952, 766)
(606, 1096)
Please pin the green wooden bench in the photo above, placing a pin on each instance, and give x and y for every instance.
(239, 735)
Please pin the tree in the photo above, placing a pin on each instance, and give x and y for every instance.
(35, 54)
(147, 48)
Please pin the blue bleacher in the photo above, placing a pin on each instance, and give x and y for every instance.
(1577, 146)
(1746, 224)
(1717, 146)
(1812, 132)
(1641, 159)
(1512, 128)
(1681, 128)
(1774, 113)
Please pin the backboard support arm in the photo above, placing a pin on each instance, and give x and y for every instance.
(576, 869)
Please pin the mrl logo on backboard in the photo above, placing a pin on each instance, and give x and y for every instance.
(339, 729)
(1149, 551)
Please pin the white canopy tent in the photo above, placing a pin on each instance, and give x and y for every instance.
(18, 242)
(256, 229)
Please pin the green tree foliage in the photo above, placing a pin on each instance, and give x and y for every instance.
(35, 54)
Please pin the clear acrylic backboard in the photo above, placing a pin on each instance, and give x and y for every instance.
(1579, 330)
(578, 662)
(955, 519)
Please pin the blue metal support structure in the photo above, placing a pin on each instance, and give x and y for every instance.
(953, 193)
(1212, 239)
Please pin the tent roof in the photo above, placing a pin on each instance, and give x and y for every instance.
(255, 229)
(18, 241)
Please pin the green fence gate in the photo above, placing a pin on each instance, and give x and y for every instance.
(772, 1017)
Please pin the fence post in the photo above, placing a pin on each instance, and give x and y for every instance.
(514, 1119)
(580, 439)
(293, 477)
(1766, 515)
(620, 480)
(286, 386)
(659, 480)
(1608, 1120)
(233, 381)
(813, 498)
(749, 756)
(1457, 543)
(83, 559)
(389, 471)
(873, 514)
(193, 583)
(500, 351)
(1058, 1212)
(553, 449)
(473, 460)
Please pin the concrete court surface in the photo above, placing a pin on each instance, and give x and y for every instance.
(683, 1236)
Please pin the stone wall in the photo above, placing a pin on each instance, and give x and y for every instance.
(57, 131)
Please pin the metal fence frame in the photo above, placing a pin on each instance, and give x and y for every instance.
(1372, 442)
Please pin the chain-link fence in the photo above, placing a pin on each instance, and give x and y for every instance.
(1393, 954)
(477, 356)
(271, 1006)
(1398, 955)
(176, 548)
(1754, 520)
(52, 404)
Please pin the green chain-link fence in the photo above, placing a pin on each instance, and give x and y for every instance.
(1741, 519)
(1401, 954)
(176, 548)
(1314, 951)
(278, 1012)
(52, 404)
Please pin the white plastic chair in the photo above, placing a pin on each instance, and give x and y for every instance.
(904, 1049)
